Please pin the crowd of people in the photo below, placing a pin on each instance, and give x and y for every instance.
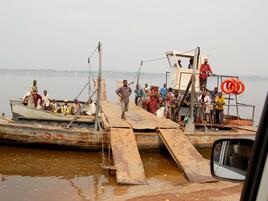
(167, 102)
(34, 100)
(170, 103)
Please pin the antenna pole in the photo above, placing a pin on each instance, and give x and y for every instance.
(99, 87)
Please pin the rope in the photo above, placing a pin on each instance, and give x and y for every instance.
(92, 53)
(155, 59)
(90, 74)
(81, 90)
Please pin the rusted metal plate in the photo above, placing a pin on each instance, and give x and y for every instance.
(183, 152)
(127, 161)
(112, 111)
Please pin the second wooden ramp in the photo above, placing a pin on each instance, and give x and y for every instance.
(127, 161)
(184, 153)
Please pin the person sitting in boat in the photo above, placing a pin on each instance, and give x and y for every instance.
(55, 106)
(34, 86)
(36, 97)
(76, 107)
(92, 108)
(65, 108)
(25, 98)
(46, 101)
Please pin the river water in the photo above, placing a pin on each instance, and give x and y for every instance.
(28, 174)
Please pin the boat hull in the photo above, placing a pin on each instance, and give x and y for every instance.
(88, 139)
(20, 111)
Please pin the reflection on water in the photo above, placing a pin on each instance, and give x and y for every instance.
(35, 174)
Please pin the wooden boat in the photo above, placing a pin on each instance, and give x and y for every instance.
(22, 112)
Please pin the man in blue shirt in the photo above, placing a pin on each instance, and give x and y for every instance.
(163, 91)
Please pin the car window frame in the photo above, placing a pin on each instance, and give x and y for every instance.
(257, 159)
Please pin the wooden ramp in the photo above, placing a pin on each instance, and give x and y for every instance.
(127, 161)
(126, 157)
(139, 119)
(112, 111)
(196, 168)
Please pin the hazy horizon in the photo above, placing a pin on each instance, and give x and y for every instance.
(60, 34)
(85, 72)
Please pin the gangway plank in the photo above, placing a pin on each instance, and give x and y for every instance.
(127, 161)
(185, 155)
(140, 119)
(112, 111)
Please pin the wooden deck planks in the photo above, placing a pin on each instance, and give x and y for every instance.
(138, 120)
(183, 152)
(160, 122)
(112, 112)
(127, 161)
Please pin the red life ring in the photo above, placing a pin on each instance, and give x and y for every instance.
(232, 86)
(226, 86)
(241, 87)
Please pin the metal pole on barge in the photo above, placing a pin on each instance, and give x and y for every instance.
(190, 126)
(99, 87)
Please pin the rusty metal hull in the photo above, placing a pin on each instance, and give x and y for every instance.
(84, 138)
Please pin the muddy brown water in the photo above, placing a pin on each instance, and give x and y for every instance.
(40, 174)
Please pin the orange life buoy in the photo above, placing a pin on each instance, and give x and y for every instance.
(226, 86)
(241, 89)
(232, 86)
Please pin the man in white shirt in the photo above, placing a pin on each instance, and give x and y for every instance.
(46, 101)
(92, 108)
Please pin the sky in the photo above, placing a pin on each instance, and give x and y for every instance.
(60, 34)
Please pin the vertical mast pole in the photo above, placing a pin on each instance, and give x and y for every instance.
(89, 77)
(191, 127)
(99, 87)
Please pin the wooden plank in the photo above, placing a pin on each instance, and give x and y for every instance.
(113, 113)
(139, 121)
(127, 161)
(150, 118)
(183, 152)
(248, 128)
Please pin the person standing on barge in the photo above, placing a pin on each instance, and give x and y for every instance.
(220, 102)
(124, 93)
(205, 70)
